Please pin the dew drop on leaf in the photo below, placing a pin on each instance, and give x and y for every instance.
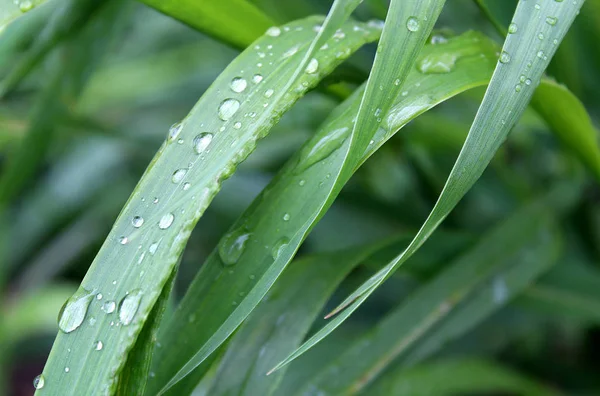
(412, 24)
(233, 245)
(137, 221)
(504, 57)
(313, 66)
(98, 345)
(73, 312)
(322, 148)
(39, 382)
(228, 108)
(202, 141)
(109, 306)
(273, 31)
(123, 240)
(512, 28)
(166, 221)
(174, 131)
(257, 78)
(238, 84)
(551, 21)
(129, 306)
(178, 175)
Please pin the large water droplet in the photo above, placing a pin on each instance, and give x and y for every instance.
(109, 306)
(228, 108)
(178, 175)
(202, 141)
(278, 247)
(129, 306)
(166, 221)
(322, 148)
(233, 245)
(73, 312)
(412, 24)
(175, 130)
(273, 31)
(257, 78)
(39, 382)
(137, 221)
(504, 57)
(25, 5)
(238, 84)
(313, 66)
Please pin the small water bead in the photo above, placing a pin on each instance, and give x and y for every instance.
(123, 240)
(313, 66)
(268, 93)
(39, 382)
(412, 24)
(537, 7)
(72, 313)
(178, 175)
(302, 182)
(522, 78)
(528, 81)
(273, 31)
(99, 296)
(512, 28)
(228, 108)
(174, 130)
(155, 200)
(98, 345)
(551, 21)
(397, 82)
(286, 217)
(375, 23)
(518, 88)
(67, 369)
(504, 57)
(129, 306)
(238, 84)
(153, 247)
(92, 321)
(339, 35)
(233, 245)
(541, 36)
(261, 55)
(109, 307)
(202, 141)
(290, 52)
(257, 78)
(25, 5)
(279, 247)
(186, 186)
(438, 39)
(237, 125)
(166, 221)
(137, 221)
(541, 55)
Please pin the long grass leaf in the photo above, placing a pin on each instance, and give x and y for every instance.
(478, 283)
(149, 235)
(504, 102)
(11, 10)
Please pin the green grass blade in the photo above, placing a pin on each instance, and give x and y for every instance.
(281, 320)
(504, 102)
(139, 256)
(461, 376)
(281, 217)
(236, 22)
(231, 249)
(475, 285)
(11, 10)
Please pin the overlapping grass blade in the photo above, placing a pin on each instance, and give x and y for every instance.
(519, 70)
(281, 320)
(236, 22)
(475, 285)
(142, 248)
(461, 376)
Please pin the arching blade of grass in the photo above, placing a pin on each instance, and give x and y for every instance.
(281, 321)
(11, 10)
(259, 257)
(102, 320)
(236, 22)
(461, 376)
(475, 285)
(520, 68)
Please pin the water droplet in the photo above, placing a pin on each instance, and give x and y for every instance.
(438, 39)
(541, 36)
(202, 141)
(99, 296)
(504, 57)
(174, 130)
(518, 88)
(438, 63)
(73, 312)
(186, 186)
(339, 35)
(137, 221)
(98, 345)
(537, 6)
(237, 125)
(109, 306)
(273, 31)
(499, 290)
(268, 93)
(228, 108)
(178, 175)
(528, 81)
(375, 23)
(541, 55)
(322, 148)
(278, 247)
(123, 240)
(155, 200)
(257, 78)
(67, 369)
(238, 84)
(153, 247)
(313, 66)
(166, 221)
(412, 24)
(551, 21)
(129, 306)
(512, 28)
(290, 52)
(302, 182)
(39, 382)
(286, 217)
(233, 244)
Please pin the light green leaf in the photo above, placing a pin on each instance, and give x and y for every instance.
(461, 376)
(149, 235)
(522, 59)
(11, 10)
(475, 285)
(236, 22)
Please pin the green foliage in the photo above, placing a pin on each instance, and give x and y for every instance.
(475, 236)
